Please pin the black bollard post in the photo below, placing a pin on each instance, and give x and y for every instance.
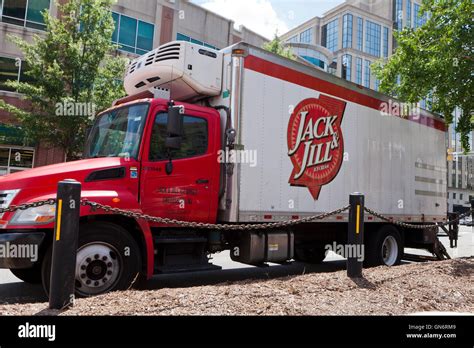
(63, 263)
(355, 238)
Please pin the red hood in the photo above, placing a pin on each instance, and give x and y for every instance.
(50, 175)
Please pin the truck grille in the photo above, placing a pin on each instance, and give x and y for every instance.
(6, 197)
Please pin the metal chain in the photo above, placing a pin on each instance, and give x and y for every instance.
(421, 227)
(240, 227)
(14, 208)
(201, 225)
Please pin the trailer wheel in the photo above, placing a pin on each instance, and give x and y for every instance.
(108, 259)
(29, 275)
(315, 253)
(384, 247)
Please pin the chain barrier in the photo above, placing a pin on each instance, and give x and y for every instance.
(242, 227)
(421, 227)
(201, 225)
(14, 208)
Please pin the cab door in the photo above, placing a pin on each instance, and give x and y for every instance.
(190, 191)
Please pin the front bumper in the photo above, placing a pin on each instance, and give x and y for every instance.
(20, 250)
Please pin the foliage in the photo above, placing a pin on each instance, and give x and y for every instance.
(436, 58)
(70, 65)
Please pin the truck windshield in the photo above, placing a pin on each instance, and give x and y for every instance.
(117, 133)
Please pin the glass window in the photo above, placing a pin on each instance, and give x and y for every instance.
(14, 160)
(4, 156)
(145, 37)
(293, 39)
(372, 38)
(132, 35)
(8, 71)
(194, 140)
(14, 11)
(347, 31)
(358, 76)
(128, 32)
(377, 84)
(385, 42)
(116, 18)
(360, 33)
(21, 158)
(398, 14)
(182, 37)
(332, 35)
(307, 36)
(27, 13)
(367, 73)
(346, 67)
(197, 42)
(419, 18)
(408, 10)
(117, 133)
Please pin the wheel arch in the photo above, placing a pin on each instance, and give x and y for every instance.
(140, 232)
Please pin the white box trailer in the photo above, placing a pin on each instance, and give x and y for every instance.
(310, 139)
(398, 162)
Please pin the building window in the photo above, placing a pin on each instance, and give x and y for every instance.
(182, 37)
(385, 42)
(132, 35)
(372, 38)
(12, 69)
(346, 67)
(307, 36)
(408, 10)
(14, 160)
(377, 84)
(330, 35)
(347, 31)
(360, 33)
(358, 76)
(367, 73)
(26, 13)
(398, 14)
(419, 18)
(293, 39)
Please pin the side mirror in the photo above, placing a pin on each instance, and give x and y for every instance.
(175, 122)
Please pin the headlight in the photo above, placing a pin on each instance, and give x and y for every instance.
(34, 216)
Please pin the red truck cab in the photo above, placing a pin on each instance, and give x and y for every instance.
(127, 165)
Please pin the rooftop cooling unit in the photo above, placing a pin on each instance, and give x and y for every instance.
(187, 70)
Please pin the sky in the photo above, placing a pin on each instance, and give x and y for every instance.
(267, 16)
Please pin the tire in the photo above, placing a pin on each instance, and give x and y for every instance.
(384, 247)
(313, 254)
(29, 275)
(108, 259)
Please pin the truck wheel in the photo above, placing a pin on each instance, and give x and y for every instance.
(29, 275)
(384, 247)
(108, 259)
(310, 254)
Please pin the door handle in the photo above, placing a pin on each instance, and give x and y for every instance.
(202, 181)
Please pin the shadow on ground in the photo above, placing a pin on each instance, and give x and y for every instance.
(22, 293)
(238, 274)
